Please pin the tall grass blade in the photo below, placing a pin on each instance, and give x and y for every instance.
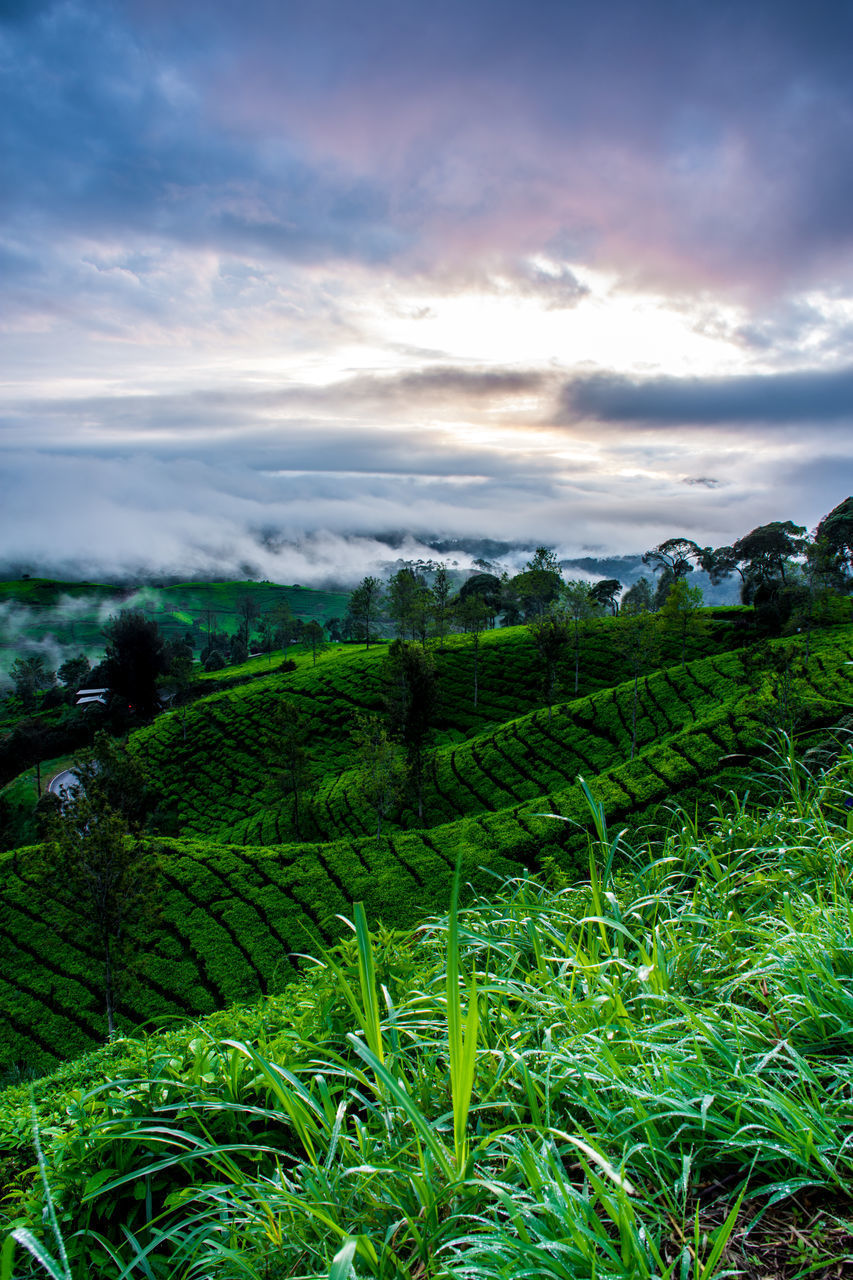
(461, 1040)
(367, 978)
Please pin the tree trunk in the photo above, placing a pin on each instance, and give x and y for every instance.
(577, 657)
(109, 995)
(634, 717)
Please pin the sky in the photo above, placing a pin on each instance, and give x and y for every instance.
(281, 276)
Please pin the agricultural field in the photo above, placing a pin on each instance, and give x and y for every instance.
(644, 1073)
(239, 897)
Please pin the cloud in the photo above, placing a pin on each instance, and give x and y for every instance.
(650, 140)
(760, 400)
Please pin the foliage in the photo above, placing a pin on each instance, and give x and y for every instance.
(550, 633)
(134, 659)
(102, 876)
(606, 593)
(539, 584)
(681, 613)
(364, 611)
(411, 699)
(644, 1074)
(835, 532)
(30, 676)
(380, 766)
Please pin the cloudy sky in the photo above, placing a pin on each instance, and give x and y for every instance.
(578, 273)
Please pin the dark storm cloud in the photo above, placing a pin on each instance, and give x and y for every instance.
(678, 140)
(824, 397)
(102, 137)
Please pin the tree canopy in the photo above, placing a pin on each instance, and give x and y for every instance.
(134, 659)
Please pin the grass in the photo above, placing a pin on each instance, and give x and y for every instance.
(646, 1073)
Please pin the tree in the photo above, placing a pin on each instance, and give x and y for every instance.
(313, 637)
(403, 590)
(637, 599)
(671, 559)
(180, 678)
(675, 555)
(835, 532)
(110, 777)
(238, 650)
(281, 618)
(30, 677)
(440, 592)
(578, 606)
(248, 610)
(411, 695)
(365, 604)
(471, 616)
(381, 766)
(540, 582)
(488, 588)
(109, 877)
(98, 866)
(74, 671)
(134, 659)
(550, 632)
(265, 634)
(291, 729)
(680, 615)
(510, 602)
(765, 550)
(605, 593)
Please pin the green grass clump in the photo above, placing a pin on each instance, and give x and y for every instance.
(644, 1073)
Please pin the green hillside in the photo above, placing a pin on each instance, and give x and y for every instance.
(644, 1074)
(71, 615)
(237, 898)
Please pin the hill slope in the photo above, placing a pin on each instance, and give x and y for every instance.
(237, 900)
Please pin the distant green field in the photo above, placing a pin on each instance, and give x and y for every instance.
(63, 618)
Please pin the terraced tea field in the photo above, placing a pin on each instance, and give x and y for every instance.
(239, 899)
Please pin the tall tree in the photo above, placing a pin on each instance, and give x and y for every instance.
(471, 616)
(835, 532)
(637, 599)
(291, 728)
(74, 671)
(675, 555)
(578, 605)
(281, 618)
(30, 677)
(314, 638)
(403, 598)
(134, 659)
(681, 616)
(605, 592)
(411, 695)
(248, 610)
(538, 585)
(381, 766)
(765, 550)
(550, 633)
(365, 605)
(440, 591)
(488, 588)
(106, 876)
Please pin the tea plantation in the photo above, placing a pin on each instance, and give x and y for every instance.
(238, 899)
